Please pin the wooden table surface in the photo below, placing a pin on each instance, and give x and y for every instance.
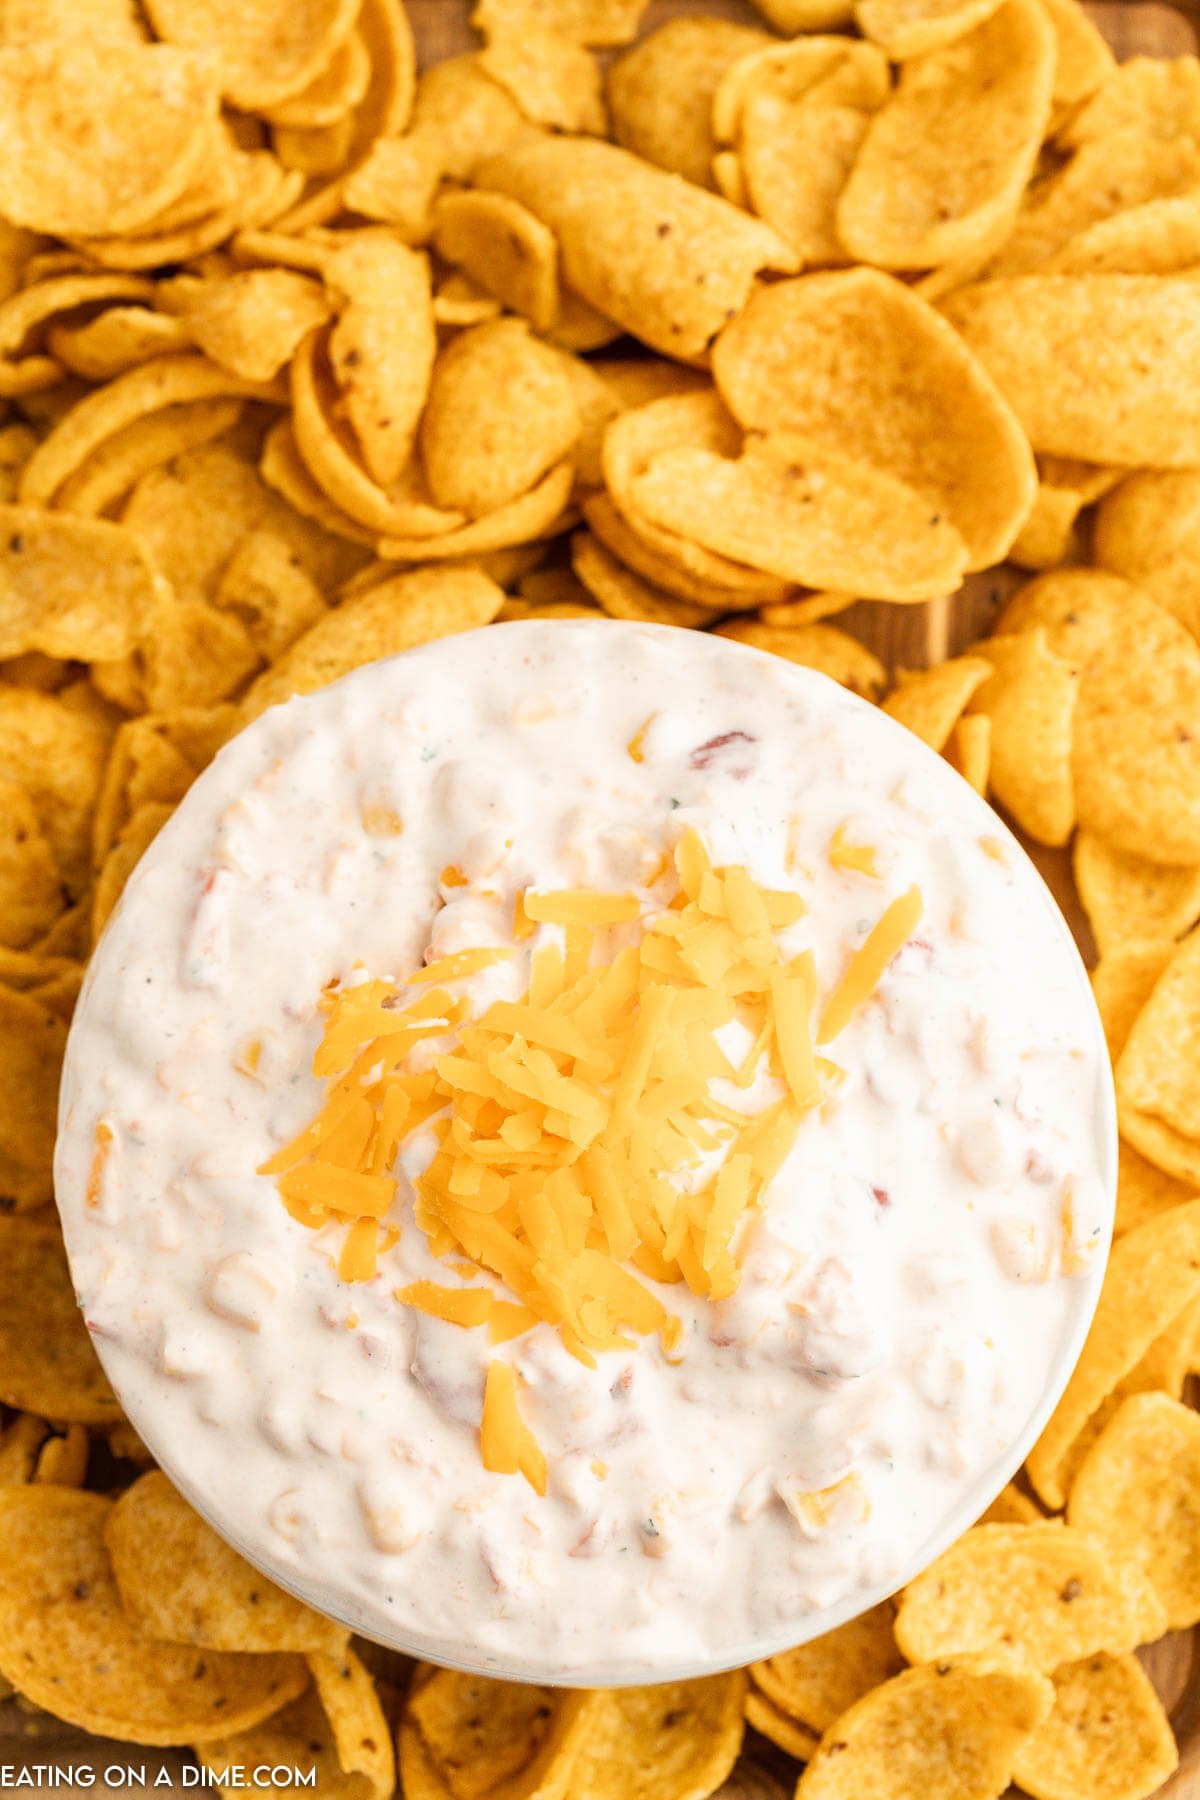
(904, 637)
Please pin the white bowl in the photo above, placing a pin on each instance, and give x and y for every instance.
(216, 1494)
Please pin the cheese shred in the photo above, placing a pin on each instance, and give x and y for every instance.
(578, 1154)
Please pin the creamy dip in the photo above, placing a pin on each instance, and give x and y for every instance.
(924, 1255)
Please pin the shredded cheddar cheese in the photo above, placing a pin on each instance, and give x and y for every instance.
(507, 1444)
(104, 1143)
(579, 1153)
(858, 858)
(870, 960)
(636, 744)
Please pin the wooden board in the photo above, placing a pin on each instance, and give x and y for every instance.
(904, 637)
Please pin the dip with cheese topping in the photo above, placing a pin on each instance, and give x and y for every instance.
(585, 1149)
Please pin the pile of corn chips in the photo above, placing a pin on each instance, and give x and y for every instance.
(305, 359)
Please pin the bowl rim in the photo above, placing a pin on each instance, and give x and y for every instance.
(972, 1502)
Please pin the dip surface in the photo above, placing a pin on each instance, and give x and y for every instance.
(922, 1255)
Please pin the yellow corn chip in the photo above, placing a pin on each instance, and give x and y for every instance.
(81, 589)
(554, 586)
(27, 22)
(298, 1737)
(1157, 1066)
(1158, 92)
(152, 386)
(796, 116)
(21, 1443)
(1012, 1506)
(1091, 481)
(406, 610)
(859, 365)
(261, 189)
(1153, 1273)
(133, 840)
(663, 1742)
(501, 414)
(1144, 1191)
(1073, 606)
(1138, 1488)
(457, 301)
(264, 53)
(537, 514)
(553, 79)
(1136, 755)
(819, 1681)
(965, 1717)
(784, 1731)
(1104, 178)
(930, 702)
(600, 23)
(360, 1730)
(1128, 900)
(461, 1736)
(31, 895)
(797, 510)
(1133, 406)
(70, 1648)
(250, 324)
(624, 595)
(579, 327)
(1160, 237)
(1048, 537)
(679, 571)
(47, 1364)
(147, 444)
(1107, 1737)
(332, 93)
(80, 156)
(17, 444)
(333, 460)
(944, 163)
(1031, 700)
(28, 313)
(664, 259)
(1047, 1592)
(182, 1583)
(1084, 59)
(1149, 531)
(266, 587)
(690, 419)
(1122, 982)
(806, 610)
(660, 93)
(789, 16)
(383, 112)
(155, 758)
(460, 116)
(504, 249)
(117, 339)
(315, 150)
(63, 1459)
(906, 28)
(382, 346)
(823, 647)
(283, 469)
(56, 753)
